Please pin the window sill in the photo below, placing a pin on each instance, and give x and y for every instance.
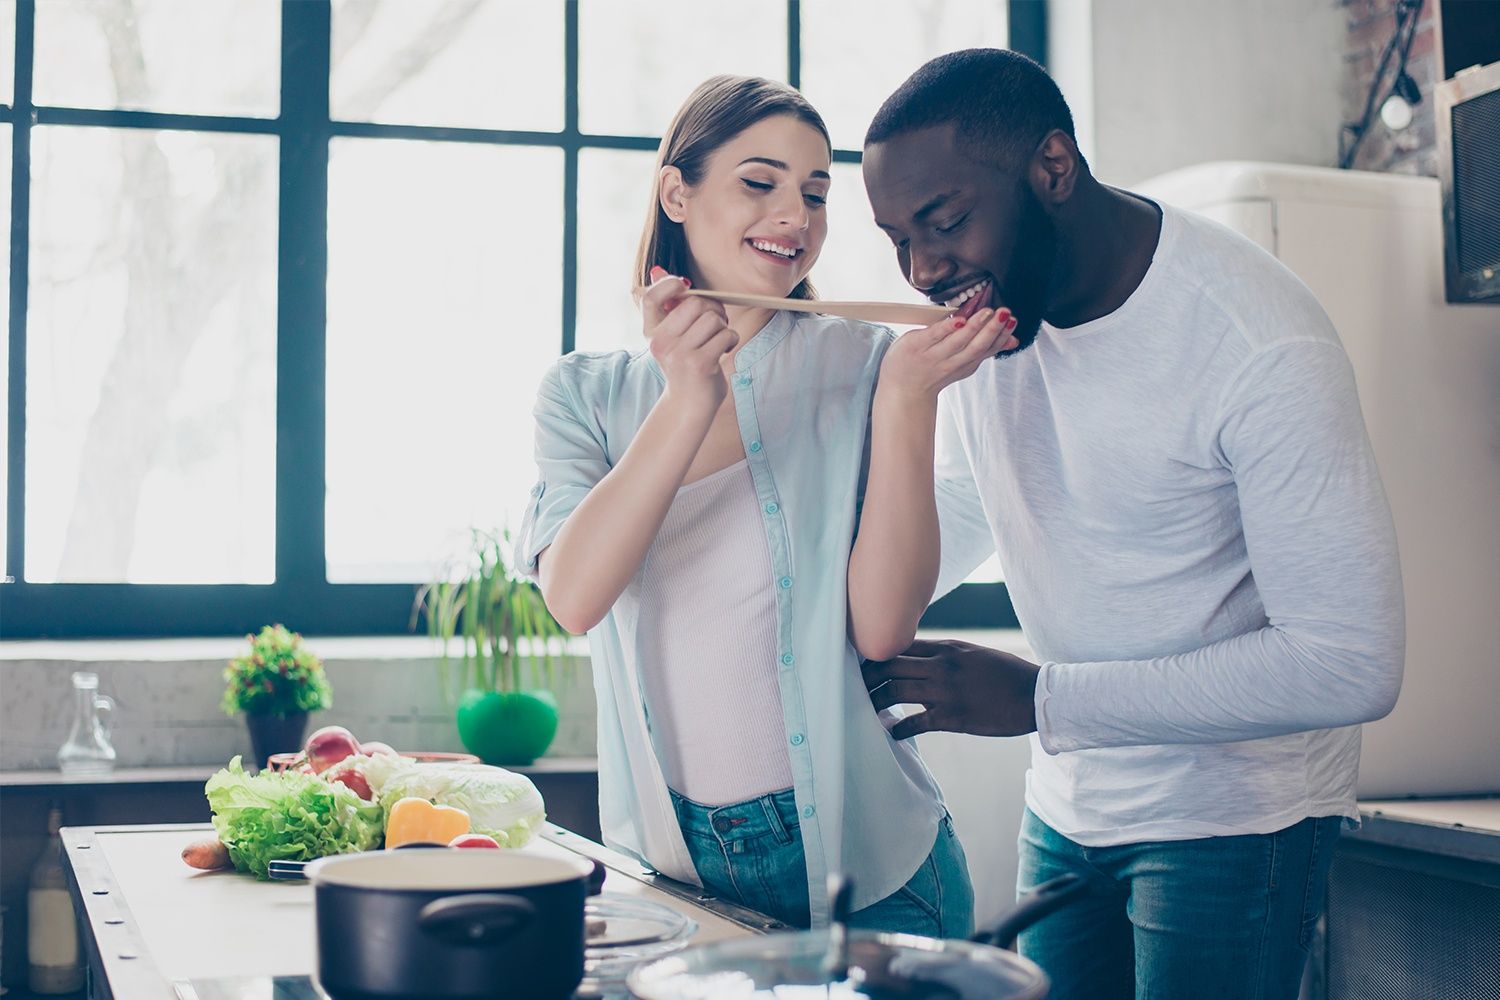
(404, 647)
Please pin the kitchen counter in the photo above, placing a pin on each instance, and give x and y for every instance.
(152, 924)
(1467, 829)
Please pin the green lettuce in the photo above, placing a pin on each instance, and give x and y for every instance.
(288, 816)
(500, 803)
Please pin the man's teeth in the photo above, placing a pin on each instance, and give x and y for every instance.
(966, 295)
(773, 248)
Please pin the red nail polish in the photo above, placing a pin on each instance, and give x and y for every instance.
(686, 283)
(657, 272)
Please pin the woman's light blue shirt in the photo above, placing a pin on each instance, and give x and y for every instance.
(802, 391)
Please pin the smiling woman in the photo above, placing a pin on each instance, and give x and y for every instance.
(306, 214)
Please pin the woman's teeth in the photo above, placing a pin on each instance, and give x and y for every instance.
(775, 248)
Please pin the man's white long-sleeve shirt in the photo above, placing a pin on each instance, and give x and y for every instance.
(1197, 544)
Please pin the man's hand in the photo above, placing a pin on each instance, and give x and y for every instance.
(964, 688)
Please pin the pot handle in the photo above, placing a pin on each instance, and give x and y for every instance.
(595, 883)
(1032, 907)
(476, 918)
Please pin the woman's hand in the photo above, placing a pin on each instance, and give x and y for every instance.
(689, 338)
(920, 364)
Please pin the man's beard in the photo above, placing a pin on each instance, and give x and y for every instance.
(1024, 287)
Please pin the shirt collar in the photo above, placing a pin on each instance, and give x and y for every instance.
(777, 327)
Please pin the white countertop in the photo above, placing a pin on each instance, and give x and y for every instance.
(1480, 815)
(192, 924)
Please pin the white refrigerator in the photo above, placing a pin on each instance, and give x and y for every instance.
(1370, 246)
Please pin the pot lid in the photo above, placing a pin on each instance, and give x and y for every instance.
(881, 967)
(446, 870)
(616, 921)
(622, 932)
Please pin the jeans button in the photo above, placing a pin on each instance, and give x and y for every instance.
(722, 824)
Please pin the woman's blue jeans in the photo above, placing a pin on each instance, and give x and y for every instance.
(750, 853)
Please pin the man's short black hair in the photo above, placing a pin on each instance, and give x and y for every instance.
(1002, 104)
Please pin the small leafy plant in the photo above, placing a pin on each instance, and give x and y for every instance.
(497, 615)
(277, 677)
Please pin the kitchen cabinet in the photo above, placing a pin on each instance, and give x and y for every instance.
(1414, 904)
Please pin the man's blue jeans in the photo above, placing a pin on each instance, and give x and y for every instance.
(1222, 917)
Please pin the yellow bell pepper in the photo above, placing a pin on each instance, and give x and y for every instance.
(417, 821)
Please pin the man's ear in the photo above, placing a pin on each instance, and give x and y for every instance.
(673, 196)
(1054, 169)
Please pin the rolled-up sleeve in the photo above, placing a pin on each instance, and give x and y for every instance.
(570, 458)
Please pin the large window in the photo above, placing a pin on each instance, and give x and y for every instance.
(283, 275)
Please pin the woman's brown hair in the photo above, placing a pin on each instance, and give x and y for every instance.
(718, 110)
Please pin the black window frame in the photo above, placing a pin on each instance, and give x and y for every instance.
(301, 595)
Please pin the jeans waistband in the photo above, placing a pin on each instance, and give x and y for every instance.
(772, 813)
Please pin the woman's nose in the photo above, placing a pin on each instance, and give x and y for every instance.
(793, 213)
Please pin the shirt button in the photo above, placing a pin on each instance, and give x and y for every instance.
(742, 381)
(797, 739)
(754, 446)
(786, 659)
(786, 582)
(807, 812)
(772, 508)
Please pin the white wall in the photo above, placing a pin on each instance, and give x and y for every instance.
(1160, 84)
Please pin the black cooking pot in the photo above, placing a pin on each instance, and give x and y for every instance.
(450, 924)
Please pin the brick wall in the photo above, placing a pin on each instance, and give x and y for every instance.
(1370, 25)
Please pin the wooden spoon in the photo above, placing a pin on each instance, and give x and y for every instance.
(874, 312)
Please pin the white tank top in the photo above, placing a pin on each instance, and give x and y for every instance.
(707, 633)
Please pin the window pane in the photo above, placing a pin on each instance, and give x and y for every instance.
(5, 341)
(894, 38)
(151, 357)
(218, 57)
(614, 189)
(638, 62)
(444, 292)
(858, 261)
(988, 572)
(7, 51)
(471, 64)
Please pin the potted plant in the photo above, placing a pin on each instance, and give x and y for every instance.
(507, 713)
(275, 684)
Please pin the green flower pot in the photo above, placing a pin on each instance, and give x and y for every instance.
(507, 728)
